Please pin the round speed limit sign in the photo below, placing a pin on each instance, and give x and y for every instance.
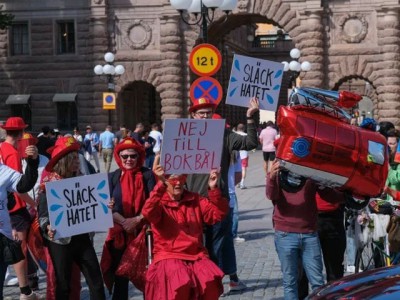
(205, 60)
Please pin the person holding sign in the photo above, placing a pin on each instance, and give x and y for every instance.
(10, 246)
(64, 163)
(181, 268)
(130, 186)
(219, 237)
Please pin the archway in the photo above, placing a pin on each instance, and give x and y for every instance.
(250, 35)
(139, 102)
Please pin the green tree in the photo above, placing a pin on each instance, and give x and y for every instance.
(5, 19)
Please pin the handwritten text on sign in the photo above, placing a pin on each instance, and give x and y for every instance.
(79, 205)
(192, 146)
(253, 77)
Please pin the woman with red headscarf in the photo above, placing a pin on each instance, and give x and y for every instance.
(130, 186)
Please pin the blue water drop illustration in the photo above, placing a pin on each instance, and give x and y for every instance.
(277, 87)
(279, 73)
(237, 65)
(54, 193)
(104, 196)
(270, 99)
(101, 185)
(105, 208)
(232, 92)
(59, 217)
(233, 79)
(55, 207)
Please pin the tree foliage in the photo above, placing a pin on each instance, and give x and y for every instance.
(5, 20)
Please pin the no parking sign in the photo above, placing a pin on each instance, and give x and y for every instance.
(206, 87)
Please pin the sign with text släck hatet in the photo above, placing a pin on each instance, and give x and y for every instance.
(254, 77)
(192, 146)
(79, 205)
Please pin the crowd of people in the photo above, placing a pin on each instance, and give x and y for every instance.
(193, 218)
(175, 207)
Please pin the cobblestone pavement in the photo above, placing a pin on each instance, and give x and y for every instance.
(258, 264)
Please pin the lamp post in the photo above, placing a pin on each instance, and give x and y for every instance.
(201, 11)
(295, 67)
(111, 72)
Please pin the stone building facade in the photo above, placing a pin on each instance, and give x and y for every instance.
(47, 58)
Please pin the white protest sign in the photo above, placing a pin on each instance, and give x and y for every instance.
(192, 146)
(79, 205)
(254, 77)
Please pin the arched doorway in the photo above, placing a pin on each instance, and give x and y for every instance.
(139, 103)
(251, 35)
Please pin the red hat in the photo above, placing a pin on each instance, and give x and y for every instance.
(27, 136)
(14, 123)
(202, 103)
(130, 143)
(63, 146)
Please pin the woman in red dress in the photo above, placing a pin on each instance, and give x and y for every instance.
(181, 268)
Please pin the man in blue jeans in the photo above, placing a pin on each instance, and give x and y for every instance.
(296, 236)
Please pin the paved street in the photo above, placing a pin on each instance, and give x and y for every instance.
(258, 264)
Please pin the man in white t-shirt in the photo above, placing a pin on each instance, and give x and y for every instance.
(244, 156)
(156, 134)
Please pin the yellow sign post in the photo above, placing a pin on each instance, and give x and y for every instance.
(109, 100)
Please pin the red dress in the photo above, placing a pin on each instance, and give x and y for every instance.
(181, 268)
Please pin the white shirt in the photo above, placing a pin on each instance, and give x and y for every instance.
(8, 182)
(158, 137)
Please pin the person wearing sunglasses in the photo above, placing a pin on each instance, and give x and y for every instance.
(181, 268)
(130, 186)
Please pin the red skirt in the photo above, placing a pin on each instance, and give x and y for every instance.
(179, 279)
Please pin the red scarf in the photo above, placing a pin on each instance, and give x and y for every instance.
(133, 195)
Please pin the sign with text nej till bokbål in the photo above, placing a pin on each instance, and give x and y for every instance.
(109, 100)
(254, 77)
(192, 146)
(79, 205)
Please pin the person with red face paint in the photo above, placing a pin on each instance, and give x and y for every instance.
(181, 268)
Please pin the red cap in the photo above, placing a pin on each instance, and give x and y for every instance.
(202, 103)
(14, 123)
(63, 146)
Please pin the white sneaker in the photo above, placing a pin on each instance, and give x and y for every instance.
(243, 187)
(239, 240)
(351, 269)
(10, 280)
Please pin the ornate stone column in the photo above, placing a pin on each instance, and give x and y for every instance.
(309, 39)
(170, 78)
(98, 36)
(387, 74)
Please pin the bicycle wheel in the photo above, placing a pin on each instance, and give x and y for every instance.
(369, 257)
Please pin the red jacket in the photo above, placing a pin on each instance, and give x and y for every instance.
(297, 212)
(178, 225)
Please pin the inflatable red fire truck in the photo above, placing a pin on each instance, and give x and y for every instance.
(318, 142)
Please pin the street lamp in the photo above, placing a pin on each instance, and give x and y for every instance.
(111, 72)
(201, 11)
(295, 67)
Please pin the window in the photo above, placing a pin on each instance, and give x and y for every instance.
(67, 115)
(23, 111)
(65, 37)
(19, 39)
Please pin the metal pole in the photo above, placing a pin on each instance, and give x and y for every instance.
(111, 89)
(204, 27)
